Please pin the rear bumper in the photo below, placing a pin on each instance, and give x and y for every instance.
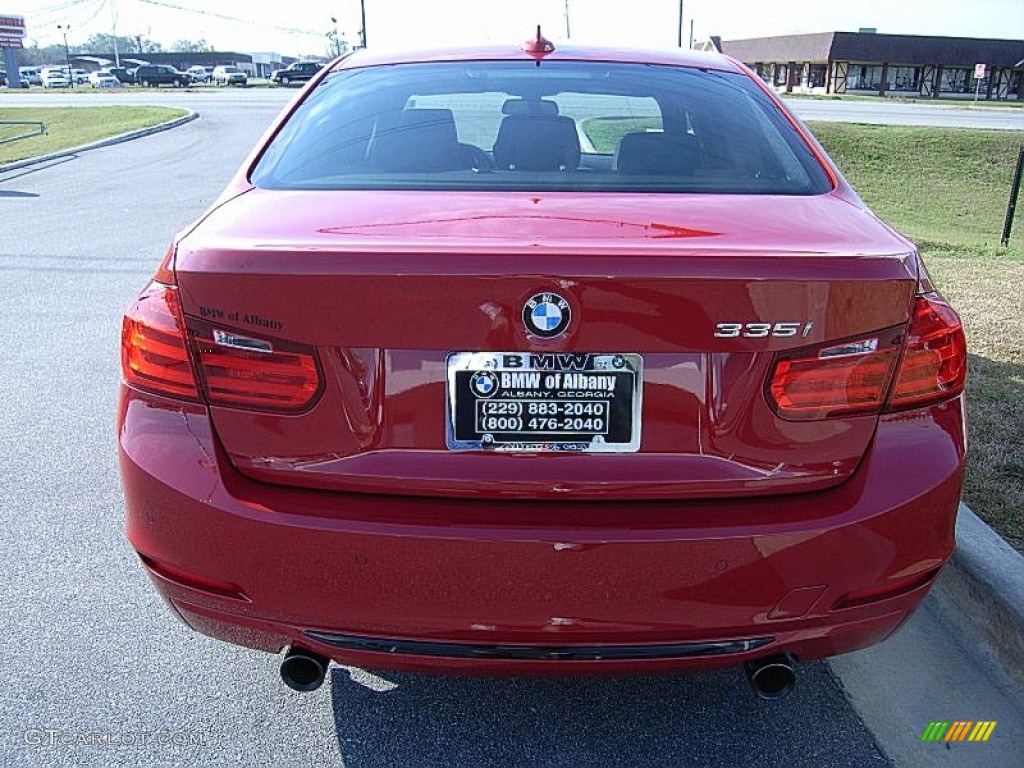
(537, 587)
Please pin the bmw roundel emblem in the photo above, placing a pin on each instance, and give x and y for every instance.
(484, 383)
(546, 315)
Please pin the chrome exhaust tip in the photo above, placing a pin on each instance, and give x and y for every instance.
(772, 677)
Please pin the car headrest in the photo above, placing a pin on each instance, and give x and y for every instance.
(656, 153)
(422, 141)
(529, 108)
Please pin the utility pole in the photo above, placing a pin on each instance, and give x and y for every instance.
(113, 22)
(567, 35)
(362, 12)
(65, 28)
(680, 40)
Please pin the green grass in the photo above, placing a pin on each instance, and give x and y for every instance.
(604, 132)
(947, 190)
(988, 294)
(68, 127)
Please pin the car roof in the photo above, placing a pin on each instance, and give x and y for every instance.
(672, 57)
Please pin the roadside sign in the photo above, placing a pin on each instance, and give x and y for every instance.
(12, 30)
(12, 26)
(979, 71)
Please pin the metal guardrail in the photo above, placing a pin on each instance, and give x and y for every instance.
(40, 129)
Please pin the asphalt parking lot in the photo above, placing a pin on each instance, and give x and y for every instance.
(99, 673)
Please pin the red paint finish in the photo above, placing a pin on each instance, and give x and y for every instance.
(755, 507)
(537, 572)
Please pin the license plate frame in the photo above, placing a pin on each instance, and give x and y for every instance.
(565, 402)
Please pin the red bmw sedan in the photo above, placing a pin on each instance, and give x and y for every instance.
(541, 362)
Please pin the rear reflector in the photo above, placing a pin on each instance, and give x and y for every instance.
(934, 366)
(153, 353)
(854, 376)
(886, 591)
(259, 373)
(185, 579)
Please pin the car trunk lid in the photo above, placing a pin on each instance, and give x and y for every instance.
(704, 290)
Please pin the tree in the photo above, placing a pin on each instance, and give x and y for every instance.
(104, 43)
(192, 46)
(33, 55)
(143, 44)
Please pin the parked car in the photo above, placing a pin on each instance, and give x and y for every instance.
(297, 72)
(30, 75)
(79, 76)
(104, 79)
(229, 76)
(5, 82)
(200, 74)
(152, 75)
(54, 78)
(125, 74)
(441, 386)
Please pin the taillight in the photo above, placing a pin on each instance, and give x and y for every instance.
(254, 372)
(154, 355)
(838, 379)
(854, 376)
(934, 366)
(234, 369)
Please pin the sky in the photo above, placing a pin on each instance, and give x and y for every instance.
(254, 25)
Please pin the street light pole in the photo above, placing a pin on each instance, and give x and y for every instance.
(65, 28)
(362, 12)
(337, 41)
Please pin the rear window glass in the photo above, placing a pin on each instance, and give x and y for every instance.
(559, 126)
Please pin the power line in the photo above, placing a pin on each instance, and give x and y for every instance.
(95, 13)
(65, 13)
(53, 8)
(289, 30)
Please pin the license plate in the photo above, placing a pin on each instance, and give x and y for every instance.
(520, 401)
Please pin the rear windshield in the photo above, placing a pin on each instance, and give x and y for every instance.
(563, 125)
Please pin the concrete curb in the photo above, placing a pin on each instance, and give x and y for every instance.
(985, 579)
(121, 137)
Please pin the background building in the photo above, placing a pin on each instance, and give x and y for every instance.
(867, 62)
